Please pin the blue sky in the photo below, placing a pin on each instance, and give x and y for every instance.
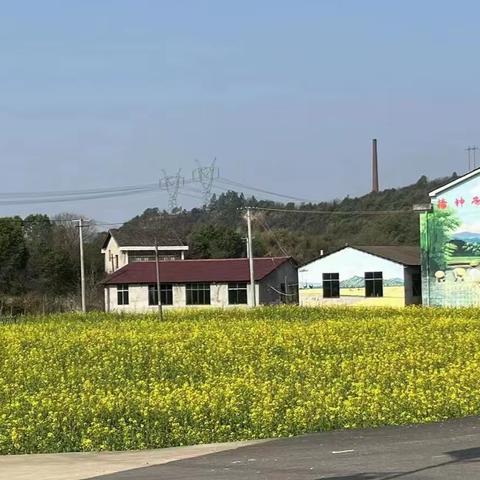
(286, 94)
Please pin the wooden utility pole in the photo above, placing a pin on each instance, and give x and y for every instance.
(250, 258)
(159, 297)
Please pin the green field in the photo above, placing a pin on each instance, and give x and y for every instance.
(104, 382)
(465, 260)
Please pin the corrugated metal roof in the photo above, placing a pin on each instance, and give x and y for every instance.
(403, 254)
(186, 271)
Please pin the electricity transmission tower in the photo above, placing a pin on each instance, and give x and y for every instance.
(206, 176)
(171, 184)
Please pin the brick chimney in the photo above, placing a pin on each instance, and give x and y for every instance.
(374, 166)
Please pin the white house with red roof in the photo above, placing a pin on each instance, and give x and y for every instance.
(192, 283)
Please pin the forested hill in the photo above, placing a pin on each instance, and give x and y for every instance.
(218, 229)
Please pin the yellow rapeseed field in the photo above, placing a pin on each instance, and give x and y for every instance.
(108, 382)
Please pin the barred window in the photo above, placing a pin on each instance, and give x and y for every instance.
(122, 294)
(331, 285)
(198, 293)
(237, 293)
(373, 284)
(166, 294)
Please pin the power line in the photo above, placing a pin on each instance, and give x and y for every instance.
(261, 190)
(172, 185)
(269, 230)
(186, 194)
(33, 201)
(333, 212)
(208, 177)
(82, 192)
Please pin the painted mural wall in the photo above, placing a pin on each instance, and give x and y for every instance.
(450, 243)
(351, 265)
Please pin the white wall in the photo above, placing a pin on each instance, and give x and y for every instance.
(111, 251)
(349, 263)
(138, 298)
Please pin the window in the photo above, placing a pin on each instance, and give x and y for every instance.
(116, 262)
(237, 293)
(166, 297)
(147, 256)
(373, 284)
(331, 285)
(198, 294)
(122, 294)
(141, 256)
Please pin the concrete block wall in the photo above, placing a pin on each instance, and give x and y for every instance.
(138, 298)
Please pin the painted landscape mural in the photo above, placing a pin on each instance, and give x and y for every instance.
(351, 265)
(450, 242)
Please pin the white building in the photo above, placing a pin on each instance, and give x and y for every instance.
(190, 283)
(122, 247)
(373, 275)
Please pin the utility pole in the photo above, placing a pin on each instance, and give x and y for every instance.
(159, 297)
(250, 257)
(82, 264)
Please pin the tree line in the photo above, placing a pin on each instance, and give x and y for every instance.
(219, 229)
(39, 256)
(40, 265)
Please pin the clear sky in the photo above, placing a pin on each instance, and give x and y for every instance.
(286, 94)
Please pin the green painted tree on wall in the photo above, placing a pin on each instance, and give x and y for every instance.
(436, 228)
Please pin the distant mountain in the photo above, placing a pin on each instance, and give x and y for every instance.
(393, 282)
(467, 236)
(353, 282)
(359, 282)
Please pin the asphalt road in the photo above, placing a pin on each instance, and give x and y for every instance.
(449, 450)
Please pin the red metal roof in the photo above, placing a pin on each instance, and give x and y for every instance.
(186, 271)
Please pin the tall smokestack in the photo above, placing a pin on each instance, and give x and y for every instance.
(374, 166)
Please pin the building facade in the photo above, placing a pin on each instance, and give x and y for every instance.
(200, 283)
(450, 244)
(374, 275)
(122, 247)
